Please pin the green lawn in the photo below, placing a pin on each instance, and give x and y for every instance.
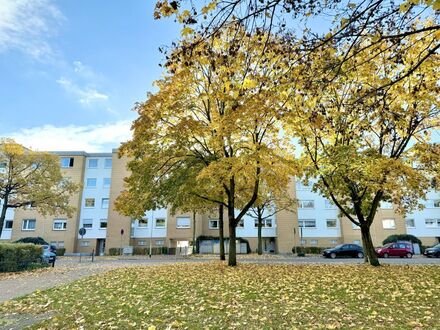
(214, 296)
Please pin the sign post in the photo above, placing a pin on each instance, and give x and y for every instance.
(82, 232)
(122, 234)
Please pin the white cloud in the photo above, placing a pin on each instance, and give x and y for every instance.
(85, 95)
(91, 138)
(25, 25)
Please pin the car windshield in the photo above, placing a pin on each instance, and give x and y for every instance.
(388, 245)
(436, 246)
(338, 246)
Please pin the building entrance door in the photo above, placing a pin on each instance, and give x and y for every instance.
(100, 246)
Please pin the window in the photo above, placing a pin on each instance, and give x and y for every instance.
(334, 241)
(386, 205)
(309, 223)
(28, 224)
(432, 223)
(3, 166)
(303, 242)
(91, 183)
(103, 223)
(436, 203)
(104, 203)
(85, 243)
(314, 242)
(89, 202)
(159, 242)
(160, 223)
(410, 223)
(182, 222)
(107, 182)
(213, 224)
(8, 224)
(240, 224)
(389, 224)
(142, 243)
(93, 163)
(329, 204)
(332, 223)
(108, 163)
(60, 244)
(88, 223)
(306, 204)
(143, 222)
(59, 224)
(66, 161)
(432, 203)
(266, 223)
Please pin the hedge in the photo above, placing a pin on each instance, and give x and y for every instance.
(61, 251)
(141, 251)
(402, 237)
(34, 240)
(308, 249)
(15, 257)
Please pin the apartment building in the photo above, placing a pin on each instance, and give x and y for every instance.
(314, 222)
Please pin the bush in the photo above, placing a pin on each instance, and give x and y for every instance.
(402, 237)
(308, 249)
(114, 251)
(16, 257)
(61, 251)
(33, 240)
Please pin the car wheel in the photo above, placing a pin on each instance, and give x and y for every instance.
(409, 255)
(360, 255)
(385, 255)
(333, 255)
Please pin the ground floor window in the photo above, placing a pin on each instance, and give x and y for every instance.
(28, 224)
(213, 224)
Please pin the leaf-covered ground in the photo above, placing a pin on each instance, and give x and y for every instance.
(214, 296)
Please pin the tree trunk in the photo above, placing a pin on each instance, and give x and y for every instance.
(260, 226)
(3, 214)
(232, 260)
(221, 233)
(194, 233)
(368, 245)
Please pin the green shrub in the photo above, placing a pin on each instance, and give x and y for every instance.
(308, 249)
(114, 251)
(402, 237)
(61, 251)
(33, 240)
(15, 257)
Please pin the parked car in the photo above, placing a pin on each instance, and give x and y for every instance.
(48, 256)
(37, 241)
(398, 249)
(432, 251)
(344, 250)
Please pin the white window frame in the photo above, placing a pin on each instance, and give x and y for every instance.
(159, 242)
(90, 180)
(390, 220)
(106, 161)
(70, 162)
(63, 223)
(105, 202)
(304, 202)
(331, 227)
(85, 243)
(265, 223)
(143, 222)
(302, 222)
(25, 224)
(184, 225)
(210, 224)
(314, 242)
(413, 221)
(101, 221)
(85, 202)
(94, 160)
(435, 223)
(334, 241)
(88, 225)
(303, 241)
(160, 227)
(106, 182)
(142, 243)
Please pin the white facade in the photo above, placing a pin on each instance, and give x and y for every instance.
(426, 222)
(316, 215)
(153, 224)
(7, 224)
(250, 229)
(96, 196)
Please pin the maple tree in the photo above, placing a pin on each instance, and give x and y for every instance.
(368, 148)
(212, 130)
(30, 178)
(315, 24)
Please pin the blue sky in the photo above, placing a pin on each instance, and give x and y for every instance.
(71, 71)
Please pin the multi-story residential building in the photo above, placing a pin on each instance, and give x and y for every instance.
(314, 222)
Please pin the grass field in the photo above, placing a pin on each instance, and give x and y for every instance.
(214, 296)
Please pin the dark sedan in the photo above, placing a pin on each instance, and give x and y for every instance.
(344, 250)
(432, 251)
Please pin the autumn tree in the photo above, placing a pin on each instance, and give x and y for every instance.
(215, 116)
(368, 148)
(30, 178)
(316, 24)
